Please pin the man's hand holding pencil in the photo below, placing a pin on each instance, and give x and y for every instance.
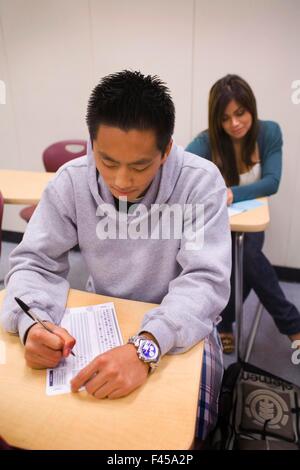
(44, 349)
(46, 343)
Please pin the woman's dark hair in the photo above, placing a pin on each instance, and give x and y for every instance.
(230, 87)
(130, 100)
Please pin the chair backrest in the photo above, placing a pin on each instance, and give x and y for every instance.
(61, 152)
(1, 215)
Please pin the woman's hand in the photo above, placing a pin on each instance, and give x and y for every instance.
(229, 196)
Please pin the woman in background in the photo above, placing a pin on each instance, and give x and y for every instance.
(248, 153)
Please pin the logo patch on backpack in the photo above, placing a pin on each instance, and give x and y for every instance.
(257, 411)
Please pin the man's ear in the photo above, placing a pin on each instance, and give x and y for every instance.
(167, 152)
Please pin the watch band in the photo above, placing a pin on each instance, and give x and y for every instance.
(147, 350)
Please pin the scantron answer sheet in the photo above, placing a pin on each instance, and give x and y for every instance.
(96, 330)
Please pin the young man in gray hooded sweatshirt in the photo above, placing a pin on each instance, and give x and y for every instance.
(118, 204)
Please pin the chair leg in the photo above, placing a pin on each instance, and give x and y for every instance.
(253, 332)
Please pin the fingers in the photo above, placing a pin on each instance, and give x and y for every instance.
(85, 375)
(37, 334)
(111, 389)
(118, 393)
(103, 383)
(48, 353)
(43, 360)
(105, 392)
(42, 348)
(68, 341)
(229, 196)
(113, 374)
(58, 340)
(100, 386)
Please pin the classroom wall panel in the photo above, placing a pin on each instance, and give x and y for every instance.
(9, 142)
(48, 52)
(155, 37)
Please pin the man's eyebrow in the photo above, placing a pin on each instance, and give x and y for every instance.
(137, 162)
(107, 157)
(142, 161)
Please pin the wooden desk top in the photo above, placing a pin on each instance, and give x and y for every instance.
(23, 187)
(255, 220)
(159, 415)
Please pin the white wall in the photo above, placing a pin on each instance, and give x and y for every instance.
(258, 40)
(53, 52)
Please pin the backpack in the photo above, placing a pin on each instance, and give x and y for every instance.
(257, 410)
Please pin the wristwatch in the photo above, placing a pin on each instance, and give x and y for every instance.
(147, 350)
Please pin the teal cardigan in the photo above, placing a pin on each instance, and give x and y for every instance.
(270, 150)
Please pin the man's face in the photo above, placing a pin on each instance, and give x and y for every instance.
(127, 160)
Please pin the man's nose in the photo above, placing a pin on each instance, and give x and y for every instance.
(123, 179)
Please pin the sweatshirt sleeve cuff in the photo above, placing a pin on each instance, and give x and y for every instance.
(162, 332)
(24, 322)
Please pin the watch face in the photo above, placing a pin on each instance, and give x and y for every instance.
(149, 350)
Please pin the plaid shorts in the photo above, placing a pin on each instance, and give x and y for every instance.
(211, 379)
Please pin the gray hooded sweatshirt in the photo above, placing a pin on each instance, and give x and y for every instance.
(190, 280)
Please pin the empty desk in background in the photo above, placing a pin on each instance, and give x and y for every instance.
(23, 187)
